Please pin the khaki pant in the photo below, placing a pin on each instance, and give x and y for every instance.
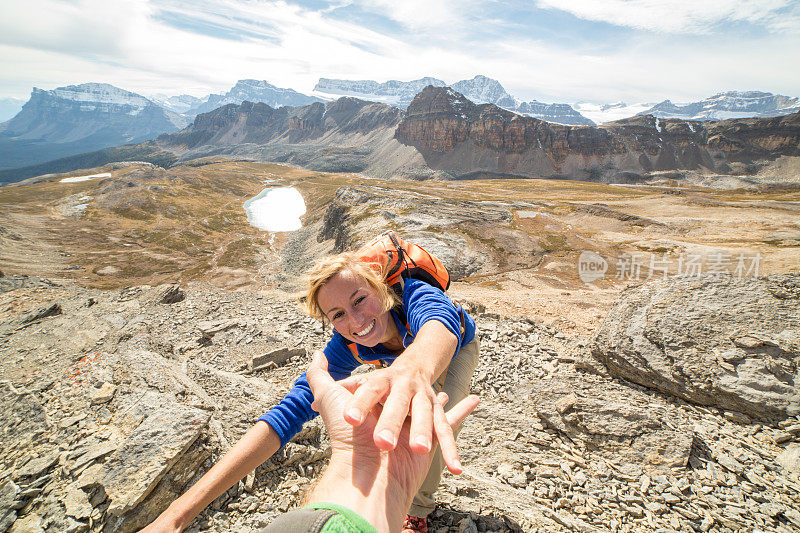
(455, 382)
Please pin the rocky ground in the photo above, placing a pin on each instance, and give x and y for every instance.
(669, 405)
(115, 400)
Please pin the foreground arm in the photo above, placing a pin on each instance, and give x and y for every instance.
(255, 447)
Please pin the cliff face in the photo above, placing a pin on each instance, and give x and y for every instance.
(346, 135)
(261, 124)
(459, 137)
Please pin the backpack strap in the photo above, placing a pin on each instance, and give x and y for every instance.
(354, 350)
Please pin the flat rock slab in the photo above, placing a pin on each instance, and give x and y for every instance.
(39, 466)
(148, 453)
(624, 424)
(718, 341)
(790, 458)
(21, 416)
(276, 357)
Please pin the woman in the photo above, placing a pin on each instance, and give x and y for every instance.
(433, 349)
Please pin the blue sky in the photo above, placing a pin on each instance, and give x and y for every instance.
(550, 50)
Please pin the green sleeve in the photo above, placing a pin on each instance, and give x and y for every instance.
(344, 521)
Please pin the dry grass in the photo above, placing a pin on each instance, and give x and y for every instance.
(188, 224)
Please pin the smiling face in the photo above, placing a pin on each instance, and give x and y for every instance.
(355, 310)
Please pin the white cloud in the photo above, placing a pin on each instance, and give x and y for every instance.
(131, 46)
(682, 16)
(421, 14)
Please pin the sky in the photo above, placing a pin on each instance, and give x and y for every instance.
(550, 50)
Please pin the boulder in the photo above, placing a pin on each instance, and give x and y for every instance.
(717, 341)
(620, 422)
(275, 358)
(147, 454)
(790, 458)
(169, 294)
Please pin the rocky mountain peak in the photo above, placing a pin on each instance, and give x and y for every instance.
(727, 105)
(434, 100)
(93, 94)
(483, 90)
(254, 91)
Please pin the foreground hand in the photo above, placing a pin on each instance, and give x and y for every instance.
(403, 390)
(408, 464)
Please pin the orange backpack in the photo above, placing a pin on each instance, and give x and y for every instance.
(399, 260)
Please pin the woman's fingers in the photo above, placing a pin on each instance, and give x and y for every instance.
(419, 437)
(372, 390)
(395, 411)
(461, 410)
(447, 442)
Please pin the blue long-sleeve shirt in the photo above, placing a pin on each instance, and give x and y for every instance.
(421, 303)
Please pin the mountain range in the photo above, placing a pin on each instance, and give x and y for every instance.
(82, 118)
(480, 89)
(444, 134)
(732, 104)
(243, 91)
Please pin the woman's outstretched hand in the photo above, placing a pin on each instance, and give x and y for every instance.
(332, 399)
(405, 389)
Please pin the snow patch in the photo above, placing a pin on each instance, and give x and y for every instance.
(76, 179)
(658, 125)
(276, 209)
(601, 113)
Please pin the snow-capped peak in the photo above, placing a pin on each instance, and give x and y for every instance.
(99, 93)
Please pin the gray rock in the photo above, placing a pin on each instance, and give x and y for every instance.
(713, 341)
(729, 463)
(39, 465)
(209, 328)
(148, 453)
(8, 494)
(276, 358)
(790, 458)
(169, 294)
(89, 456)
(467, 525)
(77, 503)
(104, 394)
(41, 312)
(618, 419)
(7, 519)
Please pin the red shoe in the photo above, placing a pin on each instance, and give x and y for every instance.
(415, 524)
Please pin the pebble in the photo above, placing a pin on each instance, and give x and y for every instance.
(644, 483)
(670, 498)
(103, 394)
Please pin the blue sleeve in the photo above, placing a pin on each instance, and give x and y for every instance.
(294, 410)
(423, 302)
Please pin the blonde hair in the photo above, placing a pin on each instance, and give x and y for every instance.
(327, 267)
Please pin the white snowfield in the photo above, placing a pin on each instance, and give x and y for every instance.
(92, 94)
(276, 209)
(76, 179)
(601, 113)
